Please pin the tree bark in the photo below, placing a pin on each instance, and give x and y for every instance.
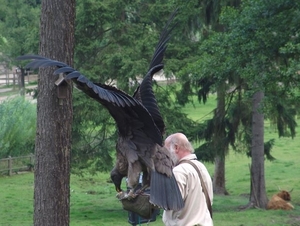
(218, 139)
(54, 118)
(219, 177)
(258, 196)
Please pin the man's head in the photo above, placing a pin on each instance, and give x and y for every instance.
(179, 146)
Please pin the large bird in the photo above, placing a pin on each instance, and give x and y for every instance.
(140, 128)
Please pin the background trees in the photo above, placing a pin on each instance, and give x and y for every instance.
(256, 40)
(248, 57)
(19, 26)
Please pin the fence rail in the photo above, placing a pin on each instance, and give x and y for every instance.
(14, 78)
(12, 165)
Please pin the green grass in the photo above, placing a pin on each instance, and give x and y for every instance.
(16, 195)
(200, 112)
(93, 200)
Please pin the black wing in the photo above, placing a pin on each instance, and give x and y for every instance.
(129, 113)
(144, 92)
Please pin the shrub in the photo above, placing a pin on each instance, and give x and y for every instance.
(18, 126)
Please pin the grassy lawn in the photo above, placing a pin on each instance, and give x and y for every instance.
(93, 200)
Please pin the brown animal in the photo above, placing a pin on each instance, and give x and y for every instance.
(280, 201)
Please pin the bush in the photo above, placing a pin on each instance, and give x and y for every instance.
(18, 126)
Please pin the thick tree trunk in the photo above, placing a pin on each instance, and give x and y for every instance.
(219, 176)
(222, 148)
(258, 196)
(54, 118)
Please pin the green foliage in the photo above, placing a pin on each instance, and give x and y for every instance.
(93, 136)
(255, 47)
(18, 126)
(260, 29)
(258, 33)
(3, 41)
(115, 41)
(19, 25)
(112, 43)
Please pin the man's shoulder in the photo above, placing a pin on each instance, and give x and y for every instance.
(184, 166)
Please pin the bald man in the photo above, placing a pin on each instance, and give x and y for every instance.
(195, 211)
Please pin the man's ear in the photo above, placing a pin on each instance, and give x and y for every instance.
(176, 148)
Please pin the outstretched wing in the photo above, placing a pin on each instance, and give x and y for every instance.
(129, 113)
(162, 43)
(144, 92)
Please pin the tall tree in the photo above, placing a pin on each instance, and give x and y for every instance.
(240, 55)
(213, 9)
(54, 117)
(208, 15)
(258, 195)
(265, 68)
(257, 59)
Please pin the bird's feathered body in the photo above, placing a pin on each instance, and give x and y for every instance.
(140, 128)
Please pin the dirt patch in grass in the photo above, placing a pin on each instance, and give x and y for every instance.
(294, 220)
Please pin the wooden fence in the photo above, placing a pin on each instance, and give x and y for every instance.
(13, 165)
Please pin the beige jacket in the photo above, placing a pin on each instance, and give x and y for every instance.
(195, 211)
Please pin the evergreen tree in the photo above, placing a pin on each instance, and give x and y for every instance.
(250, 57)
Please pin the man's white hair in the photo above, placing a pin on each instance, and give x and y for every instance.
(181, 140)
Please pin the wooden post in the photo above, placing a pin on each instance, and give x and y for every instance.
(7, 76)
(31, 162)
(14, 81)
(22, 85)
(27, 76)
(9, 165)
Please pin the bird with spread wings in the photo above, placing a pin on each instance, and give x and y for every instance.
(139, 125)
